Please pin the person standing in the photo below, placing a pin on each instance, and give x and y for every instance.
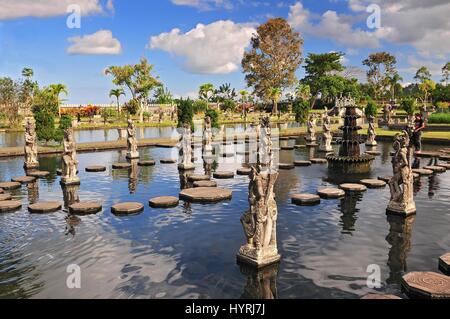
(419, 126)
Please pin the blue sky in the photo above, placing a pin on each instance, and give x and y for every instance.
(115, 32)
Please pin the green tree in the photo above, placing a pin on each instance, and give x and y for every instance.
(206, 92)
(422, 74)
(244, 99)
(185, 112)
(274, 57)
(57, 90)
(200, 106)
(445, 73)
(117, 93)
(163, 95)
(409, 106)
(275, 95)
(371, 109)
(381, 66)
(301, 110)
(394, 84)
(214, 116)
(427, 87)
(45, 126)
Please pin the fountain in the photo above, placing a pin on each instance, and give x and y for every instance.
(350, 159)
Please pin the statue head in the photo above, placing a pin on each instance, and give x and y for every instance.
(68, 134)
(130, 122)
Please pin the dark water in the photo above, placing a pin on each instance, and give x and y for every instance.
(189, 251)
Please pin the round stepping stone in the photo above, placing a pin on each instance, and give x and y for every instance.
(302, 163)
(444, 264)
(305, 199)
(330, 193)
(377, 296)
(444, 157)
(244, 171)
(416, 176)
(164, 202)
(205, 195)
(445, 165)
(58, 171)
(44, 207)
(285, 138)
(10, 206)
(422, 171)
(95, 169)
(299, 146)
(168, 161)
(10, 185)
(436, 169)
(223, 175)
(385, 179)
(373, 183)
(24, 179)
(318, 161)
(5, 196)
(312, 145)
(428, 285)
(38, 174)
(351, 187)
(286, 166)
(287, 148)
(375, 153)
(205, 184)
(121, 165)
(197, 177)
(130, 208)
(85, 208)
(147, 163)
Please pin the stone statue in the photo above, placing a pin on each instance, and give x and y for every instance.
(327, 137)
(260, 221)
(387, 114)
(69, 160)
(311, 137)
(186, 149)
(207, 138)
(371, 133)
(401, 184)
(31, 161)
(265, 144)
(132, 141)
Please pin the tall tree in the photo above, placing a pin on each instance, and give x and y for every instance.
(381, 67)
(244, 99)
(446, 73)
(394, 84)
(117, 93)
(274, 57)
(275, 95)
(163, 95)
(206, 92)
(422, 74)
(57, 90)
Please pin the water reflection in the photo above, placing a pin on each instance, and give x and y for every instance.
(33, 192)
(261, 283)
(349, 210)
(70, 194)
(133, 176)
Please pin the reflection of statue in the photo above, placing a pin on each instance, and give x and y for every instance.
(69, 160)
(311, 137)
(327, 137)
(186, 148)
(207, 138)
(132, 141)
(33, 192)
(260, 221)
(401, 184)
(30, 145)
(261, 283)
(371, 133)
(349, 211)
(133, 176)
(399, 238)
(70, 195)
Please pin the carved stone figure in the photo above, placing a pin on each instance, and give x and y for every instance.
(69, 160)
(260, 221)
(327, 137)
(207, 137)
(132, 141)
(401, 184)
(387, 114)
(31, 151)
(186, 149)
(371, 133)
(311, 137)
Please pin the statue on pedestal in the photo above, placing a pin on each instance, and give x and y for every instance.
(132, 141)
(69, 160)
(401, 185)
(371, 133)
(186, 149)
(311, 137)
(30, 148)
(327, 137)
(260, 221)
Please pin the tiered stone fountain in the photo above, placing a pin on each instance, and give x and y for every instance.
(350, 159)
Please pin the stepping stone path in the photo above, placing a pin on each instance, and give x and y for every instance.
(85, 208)
(121, 165)
(386, 179)
(331, 193)
(205, 184)
(24, 179)
(164, 202)
(196, 178)
(428, 285)
(44, 207)
(147, 163)
(244, 171)
(375, 153)
(38, 174)
(10, 206)
(377, 296)
(130, 208)
(422, 171)
(223, 175)
(9, 185)
(445, 165)
(299, 146)
(95, 169)
(286, 166)
(168, 161)
(302, 163)
(351, 187)
(205, 195)
(373, 183)
(5, 196)
(305, 199)
(318, 161)
(436, 169)
(444, 264)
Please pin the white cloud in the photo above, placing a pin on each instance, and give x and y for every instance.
(204, 4)
(216, 48)
(416, 63)
(99, 43)
(13, 9)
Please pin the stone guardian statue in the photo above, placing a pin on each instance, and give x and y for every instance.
(31, 161)
(327, 137)
(186, 149)
(69, 160)
(371, 133)
(132, 141)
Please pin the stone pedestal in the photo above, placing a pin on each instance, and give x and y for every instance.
(258, 259)
(132, 155)
(67, 181)
(186, 167)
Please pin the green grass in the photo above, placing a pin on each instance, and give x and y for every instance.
(439, 118)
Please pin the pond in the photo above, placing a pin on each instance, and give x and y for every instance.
(190, 251)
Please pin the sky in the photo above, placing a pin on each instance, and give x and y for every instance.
(191, 42)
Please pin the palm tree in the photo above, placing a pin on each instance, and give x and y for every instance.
(27, 73)
(56, 90)
(163, 95)
(206, 92)
(244, 96)
(393, 82)
(117, 93)
(275, 95)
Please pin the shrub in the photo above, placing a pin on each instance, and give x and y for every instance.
(185, 112)
(301, 110)
(214, 115)
(409, 106)
(132, 106)
(439, 118)
(371, 109)
(200, 106)
(45, 126)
